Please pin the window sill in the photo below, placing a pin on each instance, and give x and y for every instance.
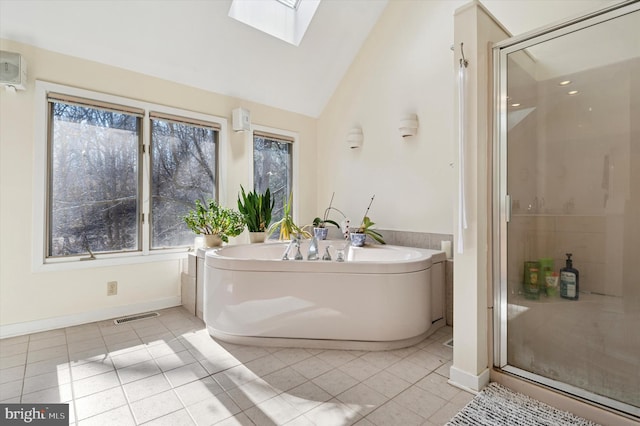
(108, 261)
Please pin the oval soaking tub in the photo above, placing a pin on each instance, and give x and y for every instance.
(381, 297)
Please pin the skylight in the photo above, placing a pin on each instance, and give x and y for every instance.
(288, 23)
(293, 4)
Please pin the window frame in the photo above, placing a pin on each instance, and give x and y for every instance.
(286, 134)
(41, 168)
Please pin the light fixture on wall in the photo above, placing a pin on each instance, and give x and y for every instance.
(13, 71)
(241, 119)
(355, 138)
(408, 125)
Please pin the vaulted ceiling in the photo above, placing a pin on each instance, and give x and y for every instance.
(194, 42)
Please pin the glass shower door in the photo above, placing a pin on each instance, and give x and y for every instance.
(569, 186)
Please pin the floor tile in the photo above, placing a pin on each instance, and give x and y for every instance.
(265, 365)
(130, 358)
(45, 381)
(218, 362)
(437, 385)
(13, 360)
(46, 335)
(285, 379)
(213, 410)
(443, 370)
(146, 387)
(155, 406)
(273, 411)
(420, 401)
(360, 369)
(47, 366)
(159, 349)
(197, 391)
(186, 374)
(234, 377)
(300, 421)
(49, 342)
(252, 393)
(408, 371)
(16, 349)
(96, 383)
(239, 419)
(11, 389)
(444, 414)
(177, 418)
(12, 373)
(393, 413)
(362, 399)
(47, 353)
(312, 367)
(99, 403)
(334, 413)
(138, 371)
(58, 394)
(82, 371)
(292, 355)
(120, 416)
(85, 345)
(335, 382)
(381, 359)
(175, 360)
(387, 384)
(306, 396)
(426, 360)
(336, 358)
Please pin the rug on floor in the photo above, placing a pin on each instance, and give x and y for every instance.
(497, 405)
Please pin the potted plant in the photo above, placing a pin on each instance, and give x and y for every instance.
(216, 223)
(319, 224)
(256, 209)
(286, 224)
(359, 236)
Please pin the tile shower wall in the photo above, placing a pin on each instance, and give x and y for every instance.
(595, 254)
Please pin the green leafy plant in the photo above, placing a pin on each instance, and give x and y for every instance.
(366, 224)
(256, 209)
(212, 219)
(287, 226)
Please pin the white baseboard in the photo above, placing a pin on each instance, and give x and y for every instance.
(18, 329)
(467, 381)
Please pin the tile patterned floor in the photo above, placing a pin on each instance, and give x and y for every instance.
(169, 371)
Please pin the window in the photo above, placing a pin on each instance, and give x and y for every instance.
(94, 189)
(273, 168)
(183, 159)
(119, 175)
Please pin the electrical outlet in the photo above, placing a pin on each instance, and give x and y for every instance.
(112, 288)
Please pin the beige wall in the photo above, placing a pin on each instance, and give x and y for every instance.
(403, 67)
(27, 296)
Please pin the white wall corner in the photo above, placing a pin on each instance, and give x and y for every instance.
(468, 381)
(19, 329)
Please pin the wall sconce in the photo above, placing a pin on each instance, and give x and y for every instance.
(408, 125)
(241, 119)
(355, 138)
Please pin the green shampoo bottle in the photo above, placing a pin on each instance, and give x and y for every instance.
(569, 280)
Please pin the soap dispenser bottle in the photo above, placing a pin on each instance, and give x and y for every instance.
(569, 280)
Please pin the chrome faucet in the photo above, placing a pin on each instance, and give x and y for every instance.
(286, 252)
(298, 255)
(313, 249)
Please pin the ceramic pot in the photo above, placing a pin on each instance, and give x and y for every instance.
(321, 233)
(212, 241)
(357, 239)
(257, 237)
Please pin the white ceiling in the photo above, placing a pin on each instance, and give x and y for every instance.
(194, 42)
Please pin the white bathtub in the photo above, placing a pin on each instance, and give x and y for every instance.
(382, 297)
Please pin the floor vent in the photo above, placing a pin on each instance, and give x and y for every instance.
(449, 343)
(135, 318)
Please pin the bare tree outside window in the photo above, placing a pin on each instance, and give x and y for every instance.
(272, 168)
(93, 186)
(183, 159)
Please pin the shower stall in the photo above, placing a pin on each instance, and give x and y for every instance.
(567, 180)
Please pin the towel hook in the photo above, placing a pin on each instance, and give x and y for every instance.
(463, 60)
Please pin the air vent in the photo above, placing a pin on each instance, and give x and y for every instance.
(135, 318)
